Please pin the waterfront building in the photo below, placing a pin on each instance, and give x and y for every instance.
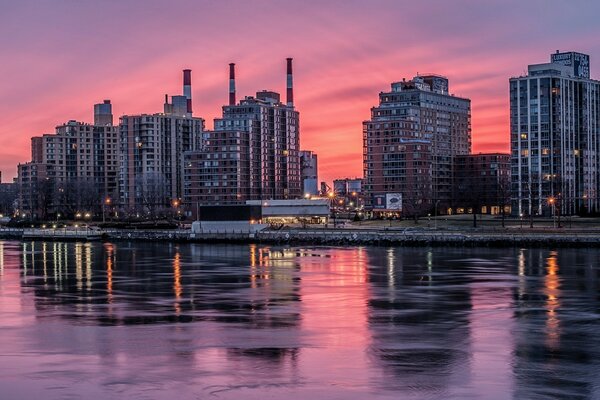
(36, 192)
(151, 153)
(252, 154)
(555, 137)
(8, 195)
(309, 173)
(482, 183)
(76, 167)
(410, 142)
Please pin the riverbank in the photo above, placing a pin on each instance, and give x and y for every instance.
(340, 236)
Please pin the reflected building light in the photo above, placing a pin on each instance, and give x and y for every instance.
(253, 266)
(1, 258)
(32, 252)
(552, 292)
(177, 288)
(24, 259)
(78, 265)
(65, 253)
(88, 266)
(522, 277)
(391, 260)
(55, 261)
(430, 265)
(109, 272)
(252, 255)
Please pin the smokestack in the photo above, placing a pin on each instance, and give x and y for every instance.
(290, 86)
(232, 84)
(187, 88)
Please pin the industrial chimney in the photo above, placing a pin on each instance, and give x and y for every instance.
(187, 88)
(232, 84)
(290, 86)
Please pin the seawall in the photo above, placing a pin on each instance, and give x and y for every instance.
(384, 237)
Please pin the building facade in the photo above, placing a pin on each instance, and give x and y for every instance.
(555, 137)
(309, 171)
(151, 159)
(36, 190)
(152, 147)
(218, 173)
(75, 168)
(482, 183)
(410, 142)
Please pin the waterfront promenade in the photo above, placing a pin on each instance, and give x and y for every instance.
(450, 231)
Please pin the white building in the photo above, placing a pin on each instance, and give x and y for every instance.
(555, 136)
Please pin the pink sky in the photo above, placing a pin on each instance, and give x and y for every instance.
(61, 57)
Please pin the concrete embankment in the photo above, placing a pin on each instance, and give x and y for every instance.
(407, 237)
(412, 237)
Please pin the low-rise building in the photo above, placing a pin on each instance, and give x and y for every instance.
(482, 183)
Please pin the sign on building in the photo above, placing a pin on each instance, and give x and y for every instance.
(393, 201)
(578, 61)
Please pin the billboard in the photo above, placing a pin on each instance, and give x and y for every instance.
(393, 201)
(387, 201)
(578, 61)
(379, 201)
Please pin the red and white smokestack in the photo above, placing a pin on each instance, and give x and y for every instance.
(290, 85)
(232, 84)
(187, 88)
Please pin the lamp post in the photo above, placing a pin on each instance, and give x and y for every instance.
(552, 202)
(176, 207)
(521, 219)
(435, 214)
(107, 202)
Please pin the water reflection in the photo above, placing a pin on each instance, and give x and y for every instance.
(203, 285)
(418, 320)
(557, 312)
(234, 321)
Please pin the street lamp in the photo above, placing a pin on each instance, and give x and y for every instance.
(107, 202)
(521, 219)
(435, 214)
(552, 202)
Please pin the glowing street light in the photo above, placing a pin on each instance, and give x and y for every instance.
(552, 202)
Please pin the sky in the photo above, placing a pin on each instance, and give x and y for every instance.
(59, 57)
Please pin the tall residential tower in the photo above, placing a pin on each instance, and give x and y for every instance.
(555, 137)
(410, 143)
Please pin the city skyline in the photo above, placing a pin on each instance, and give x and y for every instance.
(65, 56)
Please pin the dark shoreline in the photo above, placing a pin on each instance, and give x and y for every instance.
(350, 237)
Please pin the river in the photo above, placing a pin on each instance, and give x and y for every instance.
(195, 321)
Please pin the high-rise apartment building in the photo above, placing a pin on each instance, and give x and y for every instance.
(555, 137)
(252, 154)
(78, 164)
(411, 140)
(151, 152)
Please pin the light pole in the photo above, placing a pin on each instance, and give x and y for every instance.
(521, 219)
(435, 214)
(552, 202)
(106, 204)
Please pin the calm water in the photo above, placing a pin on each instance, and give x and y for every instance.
(190, 321)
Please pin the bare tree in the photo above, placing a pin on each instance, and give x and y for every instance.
(503, 195)
(152, 189)
(77, 195)
(417, 200)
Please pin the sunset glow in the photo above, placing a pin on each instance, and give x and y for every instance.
(59, 58)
